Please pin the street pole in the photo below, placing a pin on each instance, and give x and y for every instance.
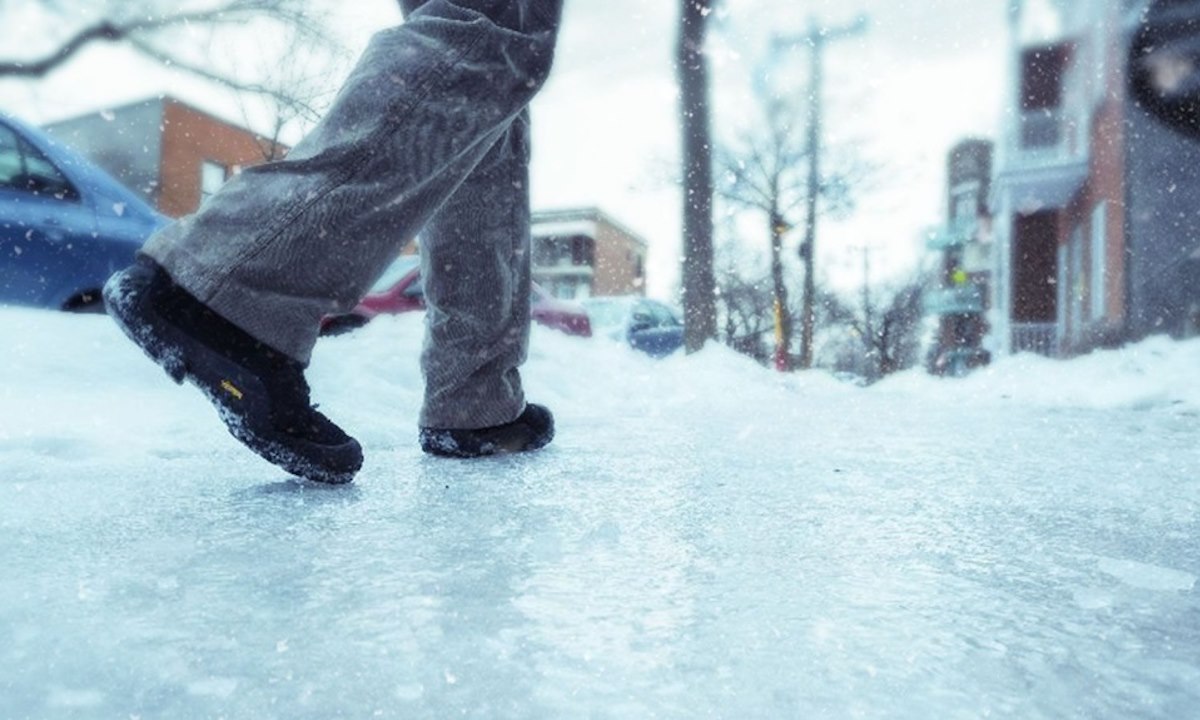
(783, 324)
(808, 252)
(817, 38)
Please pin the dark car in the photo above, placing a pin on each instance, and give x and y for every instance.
(65, 224)
(647, 325)
(400, 290)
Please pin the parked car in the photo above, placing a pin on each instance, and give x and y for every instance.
(647, 325)
(400, 289)
(65, 224)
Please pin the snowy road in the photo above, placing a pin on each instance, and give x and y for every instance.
(704, 539)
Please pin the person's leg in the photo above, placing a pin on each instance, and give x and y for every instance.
(477, 324)
(478, 321)
(475, 260)
(248, 277)
(283, 244)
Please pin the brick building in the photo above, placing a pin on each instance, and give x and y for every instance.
(965, 261)
(173, 154)
(583, 252)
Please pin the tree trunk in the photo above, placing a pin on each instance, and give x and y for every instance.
(699, 302)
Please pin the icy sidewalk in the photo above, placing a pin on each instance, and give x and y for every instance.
(704, 539)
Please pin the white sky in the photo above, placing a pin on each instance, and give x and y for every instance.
(926, 74)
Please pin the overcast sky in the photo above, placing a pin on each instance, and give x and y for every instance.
(926, 74)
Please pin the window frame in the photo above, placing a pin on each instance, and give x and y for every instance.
(206, 165)
(25, 151)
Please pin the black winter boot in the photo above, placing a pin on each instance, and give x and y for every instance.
(532, 430)
(260, 393)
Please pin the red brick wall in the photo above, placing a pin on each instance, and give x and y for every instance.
(1106, 182)
(189, 137)
(618, 258)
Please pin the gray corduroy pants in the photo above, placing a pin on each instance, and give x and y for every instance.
(429, 135)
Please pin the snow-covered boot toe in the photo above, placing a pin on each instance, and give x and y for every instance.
(260, 393)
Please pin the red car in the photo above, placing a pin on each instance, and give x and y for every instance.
(400, 290)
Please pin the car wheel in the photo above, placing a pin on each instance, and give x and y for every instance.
(88, 301)
(343, 324)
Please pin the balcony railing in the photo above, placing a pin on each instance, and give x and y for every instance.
(963, 300)
(1045, 159)
(943, 239)
(1041, 129)
(1040, 338)
(957, 233)
(1045, 137)
(564, 269)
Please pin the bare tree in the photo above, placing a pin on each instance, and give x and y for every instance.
(747, 306)
(300, 79)
(699, 302)
(895, 340)
(166, 31)
(765, 168)
(887, 326)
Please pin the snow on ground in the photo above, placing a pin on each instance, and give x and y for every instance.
(704, 539)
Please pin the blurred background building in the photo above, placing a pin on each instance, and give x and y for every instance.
(583, 252)
(1096, 201)
(173, 154)
(965, 263)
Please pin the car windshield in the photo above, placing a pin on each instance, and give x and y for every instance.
(395, 272)
(605, 313)
(662, 314)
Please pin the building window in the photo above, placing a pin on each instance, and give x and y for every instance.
(568, 289)
(1042, 87)
(964, 211)
(212, 177)
(966, 207)
(1099, 259)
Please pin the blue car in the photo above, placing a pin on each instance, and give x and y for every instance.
(645, 324)
(65, 224)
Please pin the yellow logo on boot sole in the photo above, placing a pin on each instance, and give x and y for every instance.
(231, 389)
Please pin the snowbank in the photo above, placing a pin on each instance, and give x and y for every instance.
(74, 381)
(76, 392)
(1156, 372)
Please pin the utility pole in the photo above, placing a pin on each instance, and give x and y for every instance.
(699, 284)
(783, 323)
(817, 38)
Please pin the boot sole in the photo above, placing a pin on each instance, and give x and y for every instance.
(501, 442)
(219, 379)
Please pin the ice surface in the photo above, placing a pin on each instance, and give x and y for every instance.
(704, 539)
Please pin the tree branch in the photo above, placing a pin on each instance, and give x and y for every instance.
(171, 61)
(110, 31)
(39, 68)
